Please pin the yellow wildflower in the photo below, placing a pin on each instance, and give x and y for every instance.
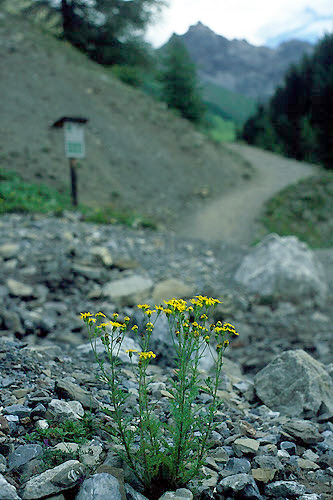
(115, 315)
(100, 314)
(149, 312)
(85, 315)
(146, 355)
(91, 320)
(177, 304)
(115, 324)
(143, 306)
(135, 328)
(103, 325)
(201, 300)
(228, 327)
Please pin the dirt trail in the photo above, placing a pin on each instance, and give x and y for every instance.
(233, 217)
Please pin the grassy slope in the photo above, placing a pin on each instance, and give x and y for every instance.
(305, 210)
(227, 104)
(140, 156)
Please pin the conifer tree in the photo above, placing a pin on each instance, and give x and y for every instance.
(179, 82)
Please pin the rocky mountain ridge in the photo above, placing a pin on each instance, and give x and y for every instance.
(239, 66)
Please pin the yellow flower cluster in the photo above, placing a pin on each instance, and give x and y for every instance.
(146, 355)
(103, 325)
(85, 315)
(226, 327)
(177, 305)
(201, 300)
(115, 324)
(142, 355)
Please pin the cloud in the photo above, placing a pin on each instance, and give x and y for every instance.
(307, 25)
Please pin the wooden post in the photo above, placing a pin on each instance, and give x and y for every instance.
(72, 166)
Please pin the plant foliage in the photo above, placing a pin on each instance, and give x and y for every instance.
(179, 82)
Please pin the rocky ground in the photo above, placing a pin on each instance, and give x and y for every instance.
(275, 433)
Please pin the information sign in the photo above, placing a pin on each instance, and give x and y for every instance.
(74, 140)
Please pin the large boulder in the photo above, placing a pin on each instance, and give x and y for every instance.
(296, 385)
(283, 268)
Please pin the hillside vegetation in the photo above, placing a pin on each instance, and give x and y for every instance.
(305, 210)
(297, 121)
(140, 156)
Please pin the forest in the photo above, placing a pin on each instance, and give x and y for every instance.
(297, 121)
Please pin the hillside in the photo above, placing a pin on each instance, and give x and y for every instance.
(139, 155)
(239, 66)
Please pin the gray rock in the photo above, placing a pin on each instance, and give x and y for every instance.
(92, 273)
(129, 290)
(70, 390)
(3, 463)
(103, 255)
(285, 269)
(295, 384)
(302, 431)
(284, 489)
(240, 485)
(18, 410)
(236, 466)
(18, 289)
(65, 410)
(9, 250)
(180, 494)
(246, 445)
(288, 446)
(268, 462)
(90, 453)
(23, 454)
(7, 491)
(100, 487)
(171, 289)
(131, 494)
(310, 496)
(54, 480)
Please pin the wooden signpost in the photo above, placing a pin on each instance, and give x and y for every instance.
(74, 147)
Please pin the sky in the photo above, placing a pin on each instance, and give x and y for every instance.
(260, 22)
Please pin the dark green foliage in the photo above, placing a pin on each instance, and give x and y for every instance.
(18, 196)
(297, 121)
(109, 31)
(21, 197)
(179, 82)
(67, 431)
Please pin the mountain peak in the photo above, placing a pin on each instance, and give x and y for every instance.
(239, 66)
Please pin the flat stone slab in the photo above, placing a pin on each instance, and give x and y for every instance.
(131, 289)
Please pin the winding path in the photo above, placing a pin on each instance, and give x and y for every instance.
(233, 217)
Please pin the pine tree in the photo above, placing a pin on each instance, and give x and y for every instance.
(109, 31)
(179, 82)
